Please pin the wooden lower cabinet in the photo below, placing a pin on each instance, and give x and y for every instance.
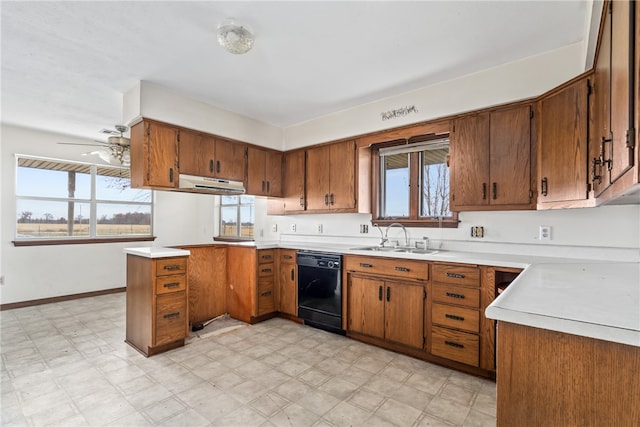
(287, 283)
(157, 303)
(557, 379)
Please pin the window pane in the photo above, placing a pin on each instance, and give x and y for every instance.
(395, 185)
(229, 221)
(246, 199)
(119, 188)
(37, 218)
(246, 221)
(229, 200)
(123, 219)
(434, 200)
(53, 183)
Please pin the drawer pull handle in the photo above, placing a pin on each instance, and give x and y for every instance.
(172, 315)
(172, 267)
(265, 294)
(171, 285)
(266, 256)
(454, 317)
(456, 275)
(365, 265)
(266, 270)
(405, 269)
(454, 344)
(287, 256)
(452, 295)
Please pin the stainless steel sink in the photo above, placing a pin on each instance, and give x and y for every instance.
(397, 249)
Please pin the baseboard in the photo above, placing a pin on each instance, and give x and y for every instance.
(12, 305)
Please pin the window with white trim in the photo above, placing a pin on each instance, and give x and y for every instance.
(59, 199)
(237, 216)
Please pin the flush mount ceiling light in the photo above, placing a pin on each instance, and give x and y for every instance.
(234, 38)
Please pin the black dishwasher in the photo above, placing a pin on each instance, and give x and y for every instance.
(320, 290)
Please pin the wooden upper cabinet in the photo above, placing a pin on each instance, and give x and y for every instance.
(264, 172)
(197, 154)
(230, 160)
(330, 177)
(294, 181)
(154, 155)
(562, 148)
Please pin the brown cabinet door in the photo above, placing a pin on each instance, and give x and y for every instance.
(294, 181)
(171, 318)
(404, 314)
(287, 280)
(162, 155)
(196, 154)
(256, 183)
(510, 156)
(470, 179)
(366, 306)
(273, 173)
(563, 144)
(342, 161)
(317, 178)
(230, 161)
(207, 271)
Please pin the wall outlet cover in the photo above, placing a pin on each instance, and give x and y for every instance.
(544, 232)
(293, 228)
(274, 228)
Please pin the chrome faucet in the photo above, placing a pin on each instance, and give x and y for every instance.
(397, 224)
(383, 239)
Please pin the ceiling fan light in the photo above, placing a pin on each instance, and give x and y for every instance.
(235, 38)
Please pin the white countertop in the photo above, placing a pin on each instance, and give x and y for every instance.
(156, 252)
(597, 300)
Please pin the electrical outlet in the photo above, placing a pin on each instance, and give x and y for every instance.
(364, 228)
(274, 228)
(319, 228)
(544, 232)
(1, 280)
(293, 228)
(261, 232)
(477, 231)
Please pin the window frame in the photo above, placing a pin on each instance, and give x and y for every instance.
(415, 176)
(238, 236)
(92, 201)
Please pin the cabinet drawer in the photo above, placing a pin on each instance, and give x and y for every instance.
(266, 300)
(459, 295)
(395, 267)
(288, 255)
(168, 284)
(459, 346)
(466, 319)
(171, 317)
(266, 255)
(171, 266)
(456, 274)
(266, 270)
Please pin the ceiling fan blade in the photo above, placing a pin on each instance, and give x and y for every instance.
(100, 144)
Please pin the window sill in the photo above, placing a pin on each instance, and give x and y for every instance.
(233, 239)
(81, 241)
(426, 223)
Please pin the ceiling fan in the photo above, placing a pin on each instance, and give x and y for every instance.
(115, 150)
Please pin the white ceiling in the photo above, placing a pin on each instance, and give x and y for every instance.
(66, 65)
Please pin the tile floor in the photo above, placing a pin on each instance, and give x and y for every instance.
(66, 364)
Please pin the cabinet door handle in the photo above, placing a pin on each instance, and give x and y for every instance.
(365, 265)
(453, 295)
(265, 294)
(172, 267)
(172, 315)
(543, 186)
(484, 191)
(293, 274)
(494, 190)
(170, 174)
(454, 317)
(211, 166)
(171, 285)
(331, 199)
(218, 166)
(454, 344)
(302, 201)
(388, 294)
(456, 275)
(326, 199)
(405, 269)
(380, 292)
(268, 190)
(263, 186)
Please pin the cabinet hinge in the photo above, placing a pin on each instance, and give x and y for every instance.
(178, 136)
(589, 188)
(148, 130)
(631, 138)
(589, 87)
(424, 341)
(610, 7)
(530, 194)
(531, 114)
(424, 294)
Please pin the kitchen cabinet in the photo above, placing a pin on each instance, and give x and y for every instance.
(491, 158)
(207, 277)
(294, 182)
(154, 155)
(386, 299)
(287, 282)
(563, 145)
(205, 155)
(250, 281)
(264, 172)
(455, 314)
(157, 303)
(331, 177)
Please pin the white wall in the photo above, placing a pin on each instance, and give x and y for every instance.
(35, 272)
